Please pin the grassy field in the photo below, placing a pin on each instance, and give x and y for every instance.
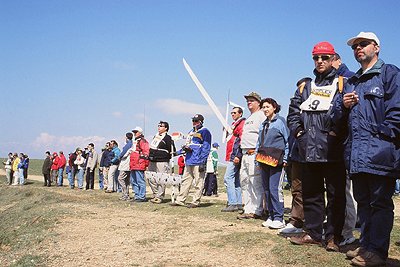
(42, 226)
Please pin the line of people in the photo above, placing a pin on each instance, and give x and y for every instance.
(341, 138)
(16, 168)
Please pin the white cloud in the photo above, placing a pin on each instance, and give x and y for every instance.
(47, 141)
(177, 107)
(117, 114)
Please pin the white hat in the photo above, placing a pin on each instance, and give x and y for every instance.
(138, 129)
(364, 35)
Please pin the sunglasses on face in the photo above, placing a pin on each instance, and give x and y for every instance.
(195, 120)
(160, 125)
(233, 112)
(322, 57)
(362, 44)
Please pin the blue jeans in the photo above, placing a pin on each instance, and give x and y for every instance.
(60, 176)
(81, 172)
(71, 177)
(138, 184)
(272, 183)
(21, 176)
(373, 194)
(232, 183)
(101, 179)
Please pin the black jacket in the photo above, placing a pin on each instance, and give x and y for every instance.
(163, 151)
(314, 144)
(46, 166)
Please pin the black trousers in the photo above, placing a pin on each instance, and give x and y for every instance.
(89, 178)
(47, 179)
(316, 179)
(210, 185)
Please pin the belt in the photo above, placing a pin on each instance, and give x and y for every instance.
(250, 152)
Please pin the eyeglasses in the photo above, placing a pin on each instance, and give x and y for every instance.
(195, 120)
(362, 44)
(233, 112)
(322, 57)
(160, 125)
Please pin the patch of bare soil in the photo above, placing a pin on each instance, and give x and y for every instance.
(127, 236)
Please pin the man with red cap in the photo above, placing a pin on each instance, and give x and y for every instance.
(319, 151)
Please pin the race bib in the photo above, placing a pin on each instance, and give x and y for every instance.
(320, 98)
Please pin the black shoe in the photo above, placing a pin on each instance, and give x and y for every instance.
(139, 200)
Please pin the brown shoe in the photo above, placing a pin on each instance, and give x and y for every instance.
(304, 239)
(368, 258)
(331, 246)
(246, 216)
(354, 253)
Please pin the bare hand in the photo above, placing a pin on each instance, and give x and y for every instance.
(236, 161)
(350, 99)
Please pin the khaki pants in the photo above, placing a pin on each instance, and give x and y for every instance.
(191, 173)
(158, 189)
(111, 173)
(124, 181)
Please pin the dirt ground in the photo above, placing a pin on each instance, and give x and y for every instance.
(103, 235)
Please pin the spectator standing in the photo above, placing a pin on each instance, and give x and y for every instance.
(271, 155)
(250, 176)
(91, 163)
(234, 157)
(112, 173)
(21, 169)
(181, 164)
(196, 148)
(16, 161)
(124, 169)
(161, 149)
(62, 161)
(54, 167)
(370, 107)
(8, 168)
(46, 168)
(80, 163)
(139, 161)
(105, 163)
(211, 183)
(320, 151)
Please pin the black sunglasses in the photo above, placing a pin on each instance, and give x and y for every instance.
(362, 44)
(323, 57)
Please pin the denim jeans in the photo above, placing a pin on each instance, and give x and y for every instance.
(138, 184)
(397, 187)
(272, 183)
(60, 176)
(71, 178)
(232, 183)
(21, 176)
(81, 172)
(101, 179)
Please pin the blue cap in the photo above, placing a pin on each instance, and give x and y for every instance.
(215, 145)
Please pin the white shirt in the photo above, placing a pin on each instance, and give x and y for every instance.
(251, 128)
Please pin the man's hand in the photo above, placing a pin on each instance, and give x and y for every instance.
(350, 99)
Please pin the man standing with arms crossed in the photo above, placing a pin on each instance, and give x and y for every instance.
(233, 157)
(371, 108)
(250, 175)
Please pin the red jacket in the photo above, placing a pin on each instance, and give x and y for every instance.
(61, 161)
(139, 159)
(232, 146)
(56, 159)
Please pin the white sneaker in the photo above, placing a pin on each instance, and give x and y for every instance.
(347, 241)
(267, 223)
(277, 225)
(290, 229)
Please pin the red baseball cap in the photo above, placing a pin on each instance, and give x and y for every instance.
(323, 48)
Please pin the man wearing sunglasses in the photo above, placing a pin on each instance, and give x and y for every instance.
(196, 148)
(319, 151)
(370, 107)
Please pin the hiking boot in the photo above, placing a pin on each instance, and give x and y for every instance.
(331, 246)
(368, 258)
(304, 240)
(230, 208)
(354, 253)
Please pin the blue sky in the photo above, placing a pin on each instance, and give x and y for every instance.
(74, 72)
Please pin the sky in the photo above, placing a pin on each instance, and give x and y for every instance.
(75, 72)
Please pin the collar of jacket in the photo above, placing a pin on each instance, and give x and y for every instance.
(330, 75)
(376, 68)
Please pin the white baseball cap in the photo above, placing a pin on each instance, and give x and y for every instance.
(364, 35)
(138, 129)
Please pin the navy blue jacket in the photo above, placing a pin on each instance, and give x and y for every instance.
(344, 71)
(315, 144)
(373, 139)
(106, 158)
